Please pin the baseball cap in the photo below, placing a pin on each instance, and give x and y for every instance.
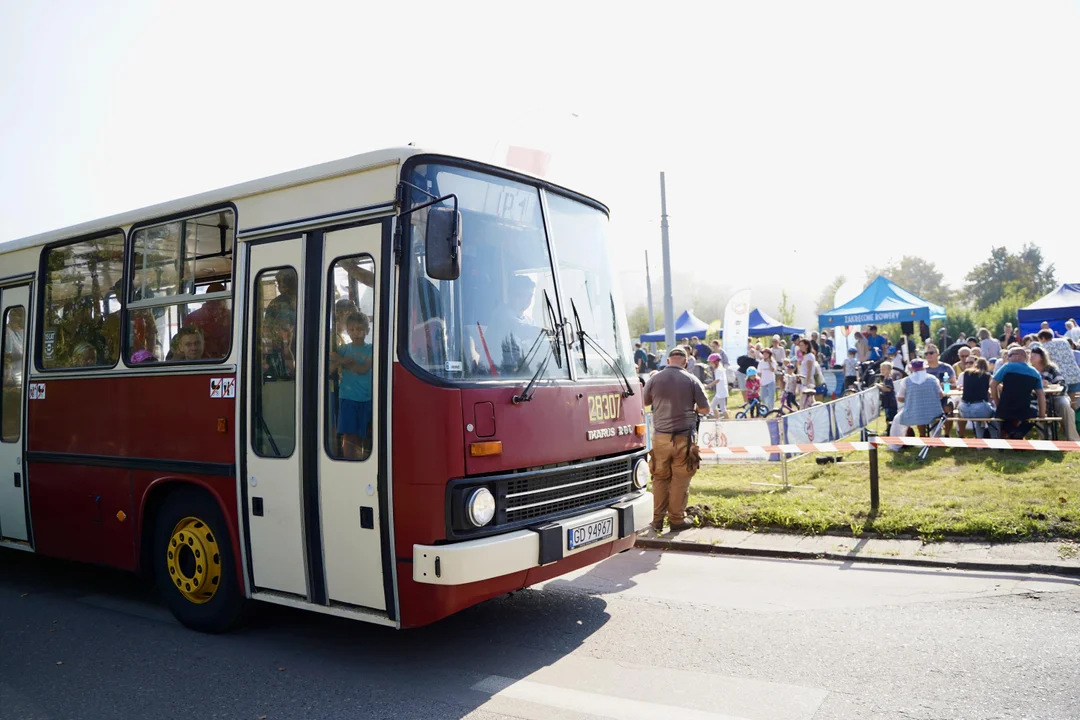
(751, 372)
(917, 365)
(715, 357)
(677, 351)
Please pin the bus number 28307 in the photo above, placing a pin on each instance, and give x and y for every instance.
(603, 408)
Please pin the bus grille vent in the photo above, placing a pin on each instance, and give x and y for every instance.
(562, 491)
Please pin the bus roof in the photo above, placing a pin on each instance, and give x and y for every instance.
(313, 173)
(302, 176)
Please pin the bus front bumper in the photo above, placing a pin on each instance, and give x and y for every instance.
(491, 557)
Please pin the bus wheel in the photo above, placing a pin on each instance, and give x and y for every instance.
(194, 564)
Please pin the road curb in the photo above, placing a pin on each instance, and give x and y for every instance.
(1024, 568)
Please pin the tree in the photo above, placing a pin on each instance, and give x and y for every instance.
(786, 312)
(1005, 310)
(825, 300)
(917, 276)
(638, 321)
(1006, 274)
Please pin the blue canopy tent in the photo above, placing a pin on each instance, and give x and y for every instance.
(761, 324)
(882, 302)
(1057, 307)
(686, 327)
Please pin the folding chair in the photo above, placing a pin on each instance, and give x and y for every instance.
(935, 431)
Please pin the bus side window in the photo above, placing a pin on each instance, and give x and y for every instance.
(350, 359)
(80, 315)
(181, 290)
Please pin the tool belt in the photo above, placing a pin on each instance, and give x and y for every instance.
(693, 452)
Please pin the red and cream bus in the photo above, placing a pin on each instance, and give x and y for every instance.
(387, 387)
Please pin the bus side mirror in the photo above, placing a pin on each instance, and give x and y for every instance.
(442, 243)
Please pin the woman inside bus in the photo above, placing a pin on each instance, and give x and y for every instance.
(144, 339)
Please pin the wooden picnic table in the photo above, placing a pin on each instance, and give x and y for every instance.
(1050, 390)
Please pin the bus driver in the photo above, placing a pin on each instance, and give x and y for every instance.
(510, 335)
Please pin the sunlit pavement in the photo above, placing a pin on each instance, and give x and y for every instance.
(643, 635)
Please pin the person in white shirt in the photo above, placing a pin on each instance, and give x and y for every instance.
(779, 354)
(718, 406)
(862, 347)
(851, 369)
(767, 369)
(1072, 330)
(990, 346)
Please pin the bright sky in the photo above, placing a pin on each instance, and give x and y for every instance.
(800, 140)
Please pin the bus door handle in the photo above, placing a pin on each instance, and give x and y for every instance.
(18, 479)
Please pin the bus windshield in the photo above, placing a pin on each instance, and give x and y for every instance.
(496, 321)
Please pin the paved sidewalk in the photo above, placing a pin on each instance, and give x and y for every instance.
(1057, 558)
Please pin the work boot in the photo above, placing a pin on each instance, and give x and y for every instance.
(686, 524)
(657, 527)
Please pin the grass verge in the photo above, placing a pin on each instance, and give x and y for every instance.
(996, 495)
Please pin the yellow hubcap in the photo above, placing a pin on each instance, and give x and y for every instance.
(194, 560)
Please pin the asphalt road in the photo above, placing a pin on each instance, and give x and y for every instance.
(644, 635)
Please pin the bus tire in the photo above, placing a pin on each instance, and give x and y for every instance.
(194, 564)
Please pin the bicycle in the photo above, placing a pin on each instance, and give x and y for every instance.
(753, 409)
(867, 377)
(784, 408)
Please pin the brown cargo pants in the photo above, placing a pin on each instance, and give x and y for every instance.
(670, 477)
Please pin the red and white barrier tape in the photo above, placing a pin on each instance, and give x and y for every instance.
(986, 444)
(801, 448)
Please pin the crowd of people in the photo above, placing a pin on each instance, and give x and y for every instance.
(775, 370)
(983, 379)
(998, 385)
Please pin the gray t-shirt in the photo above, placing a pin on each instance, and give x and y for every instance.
(675, 396)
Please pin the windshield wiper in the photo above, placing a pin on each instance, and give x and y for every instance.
(554, 350)
(553, 340)
(583, 337)
(529, 390)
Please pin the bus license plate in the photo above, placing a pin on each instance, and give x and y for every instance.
(587, 534)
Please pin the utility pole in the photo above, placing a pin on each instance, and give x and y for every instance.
(669, 307)
(648, 287)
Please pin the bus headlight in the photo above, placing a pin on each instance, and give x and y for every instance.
(641, 474)
(480, 506)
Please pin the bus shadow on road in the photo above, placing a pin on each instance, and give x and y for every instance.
(614, 575)
(295, 661)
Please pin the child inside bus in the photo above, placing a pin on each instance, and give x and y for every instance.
(354, 407)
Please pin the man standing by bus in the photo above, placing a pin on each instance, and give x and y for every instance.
(676, 397)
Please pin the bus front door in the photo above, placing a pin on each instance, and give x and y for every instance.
(316, 487)
(14, 302)
(273, 467)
